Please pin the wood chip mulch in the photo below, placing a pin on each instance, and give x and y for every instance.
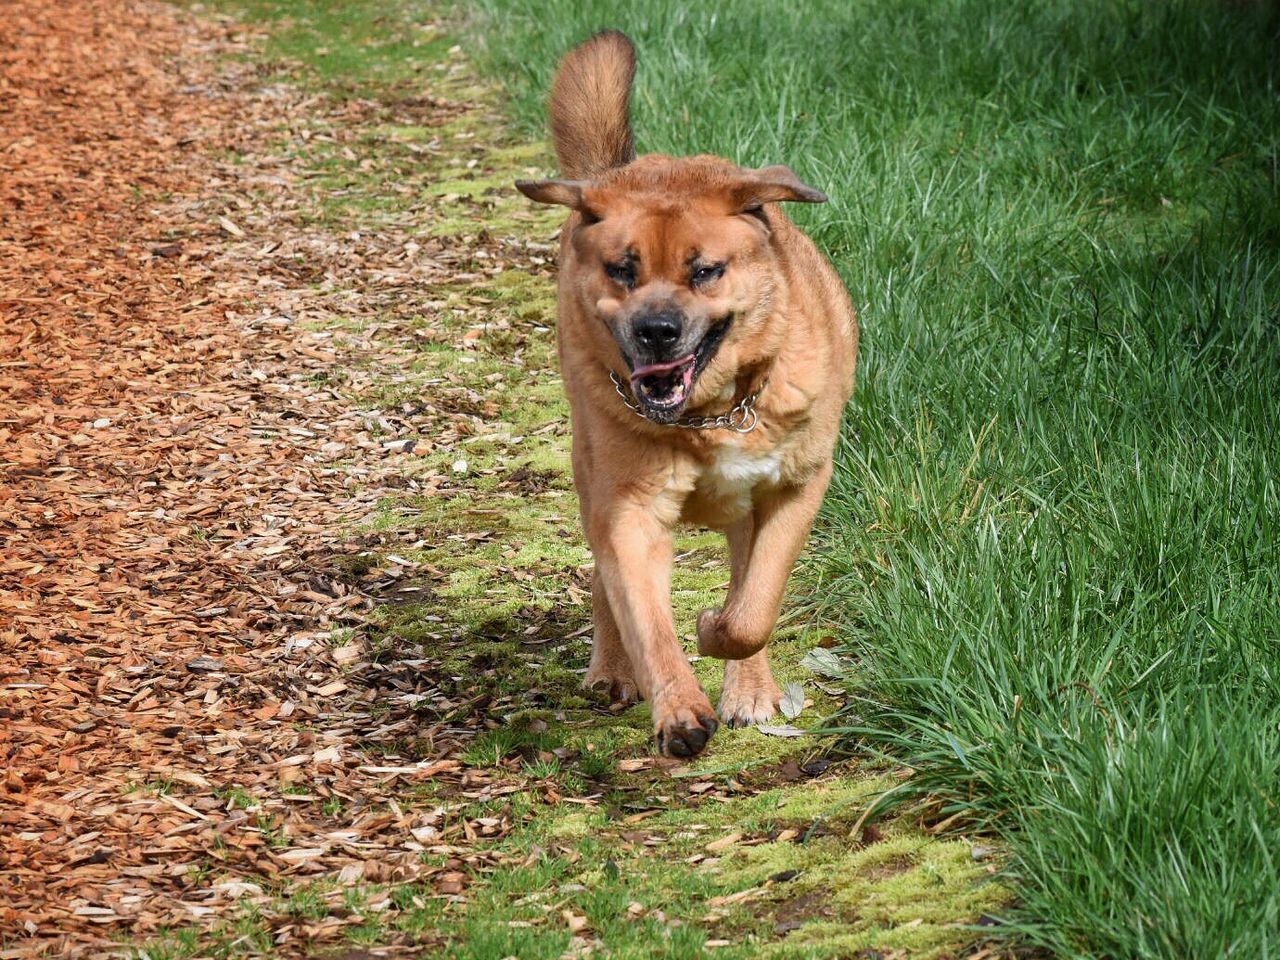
(184, 707)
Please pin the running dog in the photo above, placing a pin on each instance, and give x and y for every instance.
(707, 350)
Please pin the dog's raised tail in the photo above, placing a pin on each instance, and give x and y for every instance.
(591, 106)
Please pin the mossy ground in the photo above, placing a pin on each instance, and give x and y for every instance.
(602, 857)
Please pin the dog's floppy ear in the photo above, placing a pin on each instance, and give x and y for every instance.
(772, 185)
(567, 193)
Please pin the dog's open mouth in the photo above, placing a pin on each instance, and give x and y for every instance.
(664, 388)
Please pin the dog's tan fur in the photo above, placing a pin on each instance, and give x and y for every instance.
(792, 329)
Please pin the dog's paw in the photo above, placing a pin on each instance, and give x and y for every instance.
(619, 688)
(682, 728)
(743, 704)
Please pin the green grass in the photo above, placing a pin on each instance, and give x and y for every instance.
(1052, 541)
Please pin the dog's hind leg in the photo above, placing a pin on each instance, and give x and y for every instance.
(610, 670)
(750, 693)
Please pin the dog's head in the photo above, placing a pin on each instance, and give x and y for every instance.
(673, 256)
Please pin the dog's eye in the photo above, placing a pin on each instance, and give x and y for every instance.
(623, 273)
(709, 274)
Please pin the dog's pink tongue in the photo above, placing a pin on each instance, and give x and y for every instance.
(659, 369)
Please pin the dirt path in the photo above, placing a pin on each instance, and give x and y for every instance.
(293, 608)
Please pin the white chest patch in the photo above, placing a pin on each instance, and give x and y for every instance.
(736, 472)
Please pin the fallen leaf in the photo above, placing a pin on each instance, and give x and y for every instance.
(792, 704)
(823, 662)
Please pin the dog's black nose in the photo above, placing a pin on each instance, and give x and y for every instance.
(658, 331)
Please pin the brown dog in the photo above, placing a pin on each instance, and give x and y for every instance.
(707, 350)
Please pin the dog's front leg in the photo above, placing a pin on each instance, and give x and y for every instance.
(633, 563)
(780, 526)
(750, 694)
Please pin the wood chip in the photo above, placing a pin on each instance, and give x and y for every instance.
(724, 843)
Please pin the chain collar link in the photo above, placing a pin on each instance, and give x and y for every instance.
(741, 419)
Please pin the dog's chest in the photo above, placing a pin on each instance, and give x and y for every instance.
(734, 473)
